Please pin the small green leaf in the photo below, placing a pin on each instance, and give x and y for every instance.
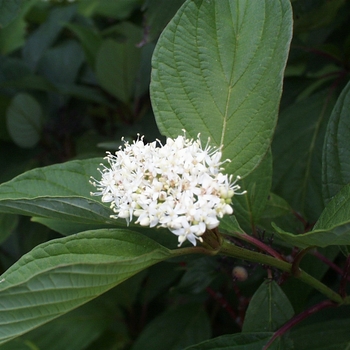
(117, 63)
(229, 225)
(175, 329)
(332, 228)
(268, 309)
(336, 150)
(24, 120)
(62, 274)
(242, 341)
(218, 69)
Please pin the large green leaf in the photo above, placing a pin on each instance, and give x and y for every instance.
(217, 70)
(242, 341)
(175, 329)
(332, 228)
(336, 150)
(60, 191)
(268, 309)
(59, 275)
(297, 154)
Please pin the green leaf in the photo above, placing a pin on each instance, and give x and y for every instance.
(242, 341)
(198, 276)
(276, 206)
(268, 309)
(230, 225)
(61, 63)
(117, 63)
(46, 34)
(89, 39)
(315, 14)
(332, 228)
(60, 191)
(66, 227)
(158, 14)
(336, 150)
(80, 327)
(84, 93)
(8, 11)
(325, 335)
(249, 207)
(12, 37)
(175, 329)
(24, 120)
(297, 154)
(217, 70)
(337, 212)
(62, 274)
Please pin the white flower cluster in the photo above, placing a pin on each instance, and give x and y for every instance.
(177, 185)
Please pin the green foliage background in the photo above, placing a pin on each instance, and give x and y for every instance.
(76, 76)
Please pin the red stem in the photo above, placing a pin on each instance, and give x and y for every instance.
(262, 246)
(298, 318)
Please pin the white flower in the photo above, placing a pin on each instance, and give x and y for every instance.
(177, 185)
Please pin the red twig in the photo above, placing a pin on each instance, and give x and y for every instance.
(298, 318)
(262, 246)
